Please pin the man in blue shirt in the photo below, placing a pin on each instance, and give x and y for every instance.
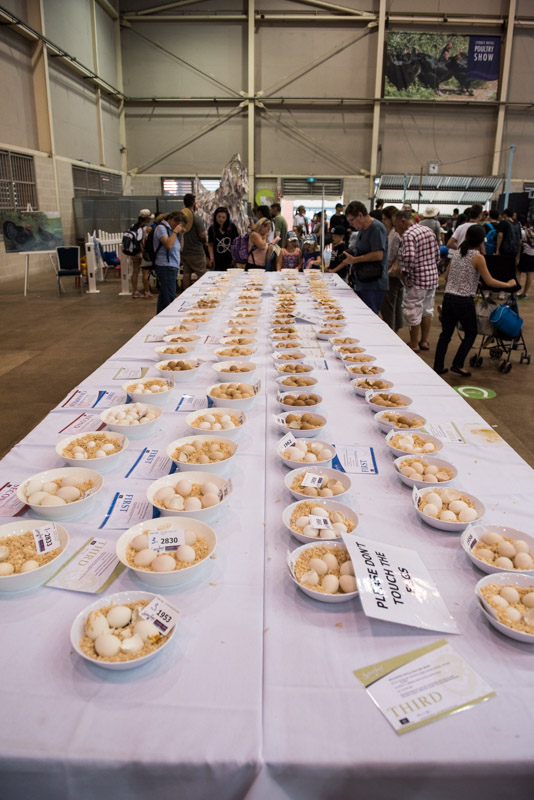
(168, 242)
(371, 254)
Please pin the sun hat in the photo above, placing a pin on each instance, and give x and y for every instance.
(430, 212)
(146, 213)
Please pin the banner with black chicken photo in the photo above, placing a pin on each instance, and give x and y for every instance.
(436, 66)
(31, 231)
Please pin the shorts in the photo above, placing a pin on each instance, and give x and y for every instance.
(526, 263)
(418, 303)
(195, 262)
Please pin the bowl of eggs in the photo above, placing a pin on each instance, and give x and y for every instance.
(22, 564)
(202, 453)
(318, 518)
(240, 330)
(420, 471)
(356, 358)
(174, 349)
(508, 604)
(340, 340)
(399, 420)
(305, 451)
(316, 482)
(378, 401)
(63, 493)
(139, 419)
(182, 338)
(498, 548)
(323, 571)
(157, 391)
(289, 356)
(287, 382)
(181, 370)
(181, 328)
(101, 449)
(290, 400)
(232, 395)
(235, 353)
(359, 370)
(447, 509)
(402, 443)
(363, 385)
(227, 420)
(299, 368)
(111, 633)
(198, 495)
(228, 370)
(341, 350)
(301, 425)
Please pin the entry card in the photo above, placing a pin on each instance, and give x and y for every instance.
(10, 505)
(395, 586)
(92, 398)
(192, 402)
(446, 431)
(129, 373)
(92, 568)
(355, 459)
(80, 424)
(161, 613)
(423, 686)
(154, 337)
(151, 464)
(127, 509)
(46, 537)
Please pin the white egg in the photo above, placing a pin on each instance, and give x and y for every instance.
(448, 516)
(132, 645)
(140, 542)
(316, 447)
(432, 510)
(512, 614)
(505, 548)
(308, 530)
(190, 537)
(528, 600)
(4, 552)
(428, 447)
(310, 458)
(68, 493)
(175, 503)
(203, 459)
(188, 449)
(324, 455)
(330, 584)
(144, 557)
(29, 565)
(69, 480)
(434, 499)
(226, 418)
(336, 516)
(521, 546)
(484, 553)
(119, 616)
(331, 562)
(146, 630)
(184, 487)
(523, 561)
(183, 457)
(301, 446)
(417, 466)
(33, 486)
(163, 494)
(347, 583)
(186, 554)
(467, 515)
(210, 418)
(100, 454)
(339, 528)
(326, 492)
(209, 488)
(432, 469)
(408, 472)
(205, 426)
(510, 594)
(6, 568)
(192, 504)
(442, 476)
(457, 506)
(310, 577)
(228, 425)
(52, 500)
(107, 645)
(429, 478)
(96, 624)
(49, 486)
(294, 453)
(346, 568)
(500, 602)
(318, 511)
(108, 447)
(216, 426)
(503, 563)
(37, 498)
(318, 565)
(80, 456)
(325, 533)
(528, 617)
(208, 500)
(449, 495)
(163, 563)
(302, 521)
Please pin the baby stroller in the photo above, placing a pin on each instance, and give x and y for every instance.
(501, 329)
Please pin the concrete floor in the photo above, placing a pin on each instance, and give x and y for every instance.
(49, 344)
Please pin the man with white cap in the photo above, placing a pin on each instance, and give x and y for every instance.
(429, 221)
(141, 229)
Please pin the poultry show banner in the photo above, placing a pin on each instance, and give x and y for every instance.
(436, 66)
(31, 231)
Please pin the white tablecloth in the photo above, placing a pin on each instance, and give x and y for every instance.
(256, 696)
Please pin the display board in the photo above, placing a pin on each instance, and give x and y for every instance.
(31, 231)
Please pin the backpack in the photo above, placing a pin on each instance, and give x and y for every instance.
(491, 240)
(131, 243)
(149, 254)
(512, 241)
(240, 248)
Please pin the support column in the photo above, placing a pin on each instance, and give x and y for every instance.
(251, 71)
(99, 117)
(501, 114)
(378, 91)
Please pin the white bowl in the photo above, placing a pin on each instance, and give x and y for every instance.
(280, 367)
(362, 390)
(427, 438)
(78, 628)
(300, 356)
(471, 536)
(352, 371)
(438, 462)
(292, 464)
(203, 514)
(333, 341)
(186, 348)
(99, 464)
(222, 353)
(440, 524)
(297, 389)
(156, 399)
(181, 376)
(217, 466)
(134, 431)
(200, 322)
(221, 369)
(407, 401)
(246, 330)
(337, 349)
(276, 329)
(295, 393)
(298, 434)
(323, 502)
(329, 331)
(386, 426)
(348, 359)
(231, 341)
(181, 328)
(321, 596)
(183, 338)
(68, 510)
(27, 580)
(232, 433)
(225, 402)
(326, 472)
(519, 579)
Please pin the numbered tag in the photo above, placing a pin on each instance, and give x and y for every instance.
(256, 387)
(320, 522)
(287, 442)
(470, 538)
(225, 490)
(279, 419)
(153, 337)
(310, 479)
(166, 541)
(89, 492)
(46, 538)
(161, 614)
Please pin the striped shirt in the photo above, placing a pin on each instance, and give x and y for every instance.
(419, 257)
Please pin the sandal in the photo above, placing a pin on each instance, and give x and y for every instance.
(463, 372)
(424, 346)
(136, 295)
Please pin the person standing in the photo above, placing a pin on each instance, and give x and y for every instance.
(141, 231)
(193, 253)
(474, 217)
(339, 220)
(467, 266)
(168, 242)
(391, 308)
(258, 248)
(429, 220)
(291, 255)
(301, 219)
(280, 224)
(526, 262)
(377, 211)
(419, 258)
(338, 263)
(371, 252)
(221, 234)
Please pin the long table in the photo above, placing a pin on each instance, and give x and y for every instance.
(256, 696)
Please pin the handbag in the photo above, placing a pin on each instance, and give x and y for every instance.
(368, 271)
(507, 320)
(484, 307)
(394, 270)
